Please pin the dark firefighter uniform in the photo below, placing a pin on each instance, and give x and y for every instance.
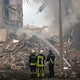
(50, 59)
(32, 64)
(40, 64)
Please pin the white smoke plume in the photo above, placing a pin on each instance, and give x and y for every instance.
(70, 13)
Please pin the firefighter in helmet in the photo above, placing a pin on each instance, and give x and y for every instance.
(40, 64)
(32, 64)
(50, 60)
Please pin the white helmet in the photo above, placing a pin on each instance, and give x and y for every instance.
(33, 51)
(41, 51)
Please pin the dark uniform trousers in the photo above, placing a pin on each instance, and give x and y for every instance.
(50, 59)
(33, 71)
(51, 69)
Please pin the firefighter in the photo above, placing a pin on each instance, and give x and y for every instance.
(32, 64)
(50, 60)
(40, 64)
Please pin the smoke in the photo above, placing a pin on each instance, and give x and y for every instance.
(21, 33)
(38, 1)
(70, 14)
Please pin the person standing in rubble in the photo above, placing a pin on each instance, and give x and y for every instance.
(40, 64)
(32, 64)
(50, 60)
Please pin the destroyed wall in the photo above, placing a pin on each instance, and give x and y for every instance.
(76, 36)
(11, 14)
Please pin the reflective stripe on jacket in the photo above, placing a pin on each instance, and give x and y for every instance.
(40, 60)
(50, 58)
(51, 61)
(32, 60)
(32, 64)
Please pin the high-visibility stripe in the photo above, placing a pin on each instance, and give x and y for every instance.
(51, 61)
(42, 72)
(38, 74)
(33, 72)
(38, 64)
(32, 64)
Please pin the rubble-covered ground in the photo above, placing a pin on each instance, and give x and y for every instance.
(14, 60)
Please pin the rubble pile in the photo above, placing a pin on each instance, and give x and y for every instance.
(14, 56)
(71, 55)
(72, 73)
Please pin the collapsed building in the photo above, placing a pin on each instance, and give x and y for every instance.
(14, 53)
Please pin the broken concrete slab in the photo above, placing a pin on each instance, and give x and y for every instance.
(12, 45)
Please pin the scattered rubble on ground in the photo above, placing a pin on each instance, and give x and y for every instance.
(14, 58)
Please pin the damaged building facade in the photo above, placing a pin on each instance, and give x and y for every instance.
(11, 14)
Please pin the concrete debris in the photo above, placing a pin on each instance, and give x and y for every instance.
(12, 45)
(18, 51)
